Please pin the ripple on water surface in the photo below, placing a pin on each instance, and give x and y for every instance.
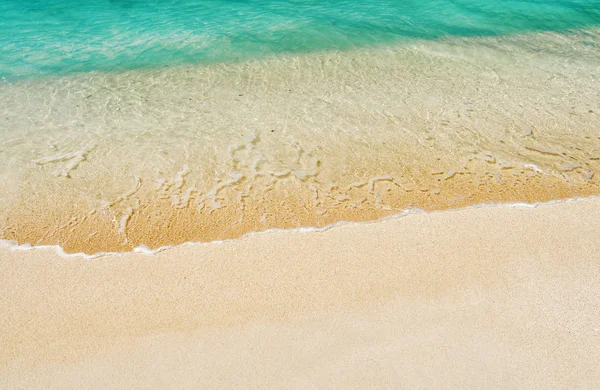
(46, 37)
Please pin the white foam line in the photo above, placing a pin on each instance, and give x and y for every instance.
(143, 249)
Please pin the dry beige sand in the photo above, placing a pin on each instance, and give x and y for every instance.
(491, 297)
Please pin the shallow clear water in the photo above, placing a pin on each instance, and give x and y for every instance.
(127, 123)
(43, 37)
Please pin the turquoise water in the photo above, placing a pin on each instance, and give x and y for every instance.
(45, 37)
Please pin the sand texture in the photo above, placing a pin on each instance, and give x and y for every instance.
(491, 297)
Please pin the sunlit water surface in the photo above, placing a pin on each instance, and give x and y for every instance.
(126, 123)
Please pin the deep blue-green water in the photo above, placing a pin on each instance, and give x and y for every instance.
(45, 37)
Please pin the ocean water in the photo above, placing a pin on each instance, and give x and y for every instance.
(130, 123)
(48, 37)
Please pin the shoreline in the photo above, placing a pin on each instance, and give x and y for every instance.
(502, 295)
(144, 249)
(135, 221)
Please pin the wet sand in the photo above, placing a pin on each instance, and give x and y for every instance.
(494, 297)
(110, 161)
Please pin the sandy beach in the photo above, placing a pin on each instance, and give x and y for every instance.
(300, 194)
(494, 297)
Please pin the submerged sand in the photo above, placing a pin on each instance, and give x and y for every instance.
(493, 297)
(110, 161)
